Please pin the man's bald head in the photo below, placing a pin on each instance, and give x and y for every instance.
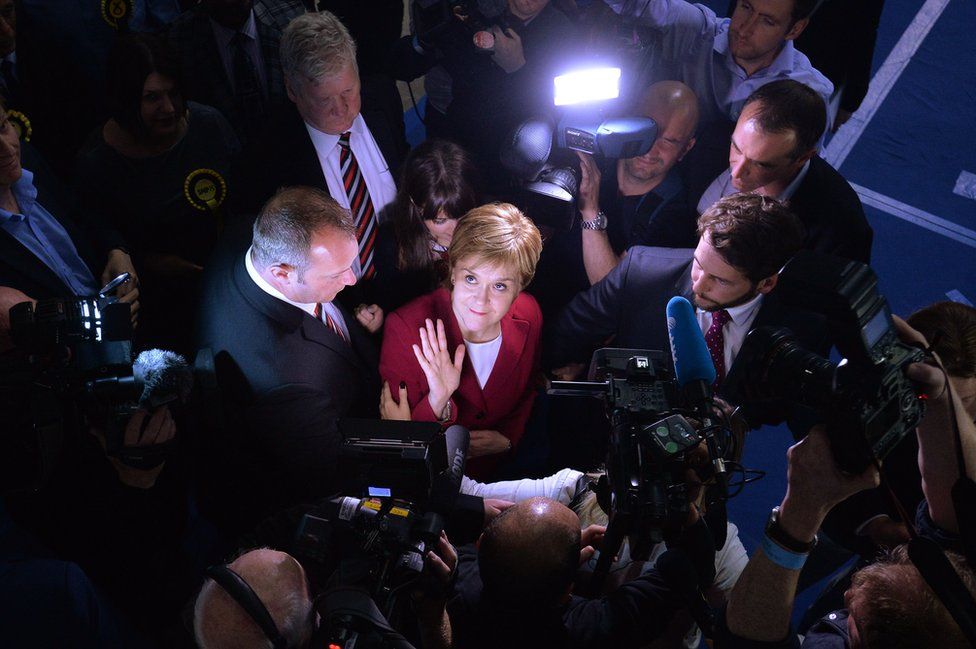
(672, 99)
(530, 553)
(674, 107)
(278, 581)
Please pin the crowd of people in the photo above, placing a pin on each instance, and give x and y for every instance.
(245, 163)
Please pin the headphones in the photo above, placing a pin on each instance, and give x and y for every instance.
(243, 594)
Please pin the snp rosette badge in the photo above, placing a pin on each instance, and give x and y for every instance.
(116, 12)
(205, 189)
(21, 124)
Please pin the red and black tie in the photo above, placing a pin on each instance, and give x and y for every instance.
(360, 204)
(329, 322)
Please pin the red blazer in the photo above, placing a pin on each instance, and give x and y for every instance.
(506, 401)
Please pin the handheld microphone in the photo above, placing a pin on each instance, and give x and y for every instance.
(695, 373)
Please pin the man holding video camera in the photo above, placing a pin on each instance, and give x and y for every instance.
(890, 604)
(730, 277)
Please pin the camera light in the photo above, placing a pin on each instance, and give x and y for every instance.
(587, 85)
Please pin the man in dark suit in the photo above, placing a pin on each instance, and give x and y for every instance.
(335, 127)
(229, 57)
(773, 152)
(290, 361)
(745, 241)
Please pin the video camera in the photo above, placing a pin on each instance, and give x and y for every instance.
(868, 403)
(402, 480)
(71, 366)
(540, 151)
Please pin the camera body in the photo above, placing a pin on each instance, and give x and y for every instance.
(867, 402)
(650, 443)
(402, 479)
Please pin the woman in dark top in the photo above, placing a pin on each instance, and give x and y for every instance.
(159, 169)
(439, 183)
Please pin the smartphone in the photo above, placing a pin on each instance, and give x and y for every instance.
(112, 286)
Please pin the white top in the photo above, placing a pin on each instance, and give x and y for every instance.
(224, 36)
(483, 357)
(735, 330)
(372, 164)
(327, 307)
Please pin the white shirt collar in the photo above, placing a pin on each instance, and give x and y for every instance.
(744, 312)
(327, 141)
(271, 290)
(787, 193)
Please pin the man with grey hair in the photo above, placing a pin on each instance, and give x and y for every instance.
(290, 361)
(328, 139)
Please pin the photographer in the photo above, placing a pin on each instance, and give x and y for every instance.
(889, 603)
(522, 572)
(497, 82)
(283, 590)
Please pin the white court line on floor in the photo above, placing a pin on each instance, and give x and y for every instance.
(965, 185)
(956, 296)
(884, 79)
(918, 217)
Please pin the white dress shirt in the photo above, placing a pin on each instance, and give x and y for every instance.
(372, 164)
(735, 330)
(327, 307)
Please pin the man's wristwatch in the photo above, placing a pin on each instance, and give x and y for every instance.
(599, 223)
(783, 538)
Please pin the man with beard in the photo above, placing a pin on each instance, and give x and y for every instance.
(641, 200)
(744, 241)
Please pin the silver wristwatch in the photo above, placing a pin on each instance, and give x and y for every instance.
(599, 223)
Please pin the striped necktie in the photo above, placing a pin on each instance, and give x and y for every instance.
(360, 204)
(715, 340)
(329, 322)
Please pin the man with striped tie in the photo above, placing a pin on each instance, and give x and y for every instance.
(290, 360)
(338, 136)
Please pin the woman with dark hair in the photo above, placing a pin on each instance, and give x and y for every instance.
(439, 183)
(159, 170)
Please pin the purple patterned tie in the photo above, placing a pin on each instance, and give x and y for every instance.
(715, 340)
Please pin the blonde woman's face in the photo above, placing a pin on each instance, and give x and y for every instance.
(482, 295)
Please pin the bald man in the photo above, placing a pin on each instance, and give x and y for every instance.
(515, 589)
(641, 200)
(279, 582)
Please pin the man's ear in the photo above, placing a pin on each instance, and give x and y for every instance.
(281, 273)
(806, 156)
(766, 285)
(688, 147)
(796, 29)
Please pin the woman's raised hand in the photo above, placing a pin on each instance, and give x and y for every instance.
(443, 374)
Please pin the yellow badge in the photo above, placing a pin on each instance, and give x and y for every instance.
(205, 189)
(21, 124)
(116, 12)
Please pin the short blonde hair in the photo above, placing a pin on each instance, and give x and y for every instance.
(498, 233)
(314, 46)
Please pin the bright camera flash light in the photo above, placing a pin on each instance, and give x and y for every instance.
(587, 85)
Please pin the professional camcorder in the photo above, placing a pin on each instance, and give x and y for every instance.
(72, 366)
(402, 479)
(540, 152)
(867, 402)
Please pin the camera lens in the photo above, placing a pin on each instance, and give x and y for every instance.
(777, 367)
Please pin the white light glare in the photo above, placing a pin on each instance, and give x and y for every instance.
(587, 85)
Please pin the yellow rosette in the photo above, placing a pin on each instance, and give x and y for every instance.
(116, 12)
(21, 124)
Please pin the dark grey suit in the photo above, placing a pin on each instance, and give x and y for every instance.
(285, 379)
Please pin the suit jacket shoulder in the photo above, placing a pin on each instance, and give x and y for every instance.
(832, 213)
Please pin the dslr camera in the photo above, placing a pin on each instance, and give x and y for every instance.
(866, 401)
